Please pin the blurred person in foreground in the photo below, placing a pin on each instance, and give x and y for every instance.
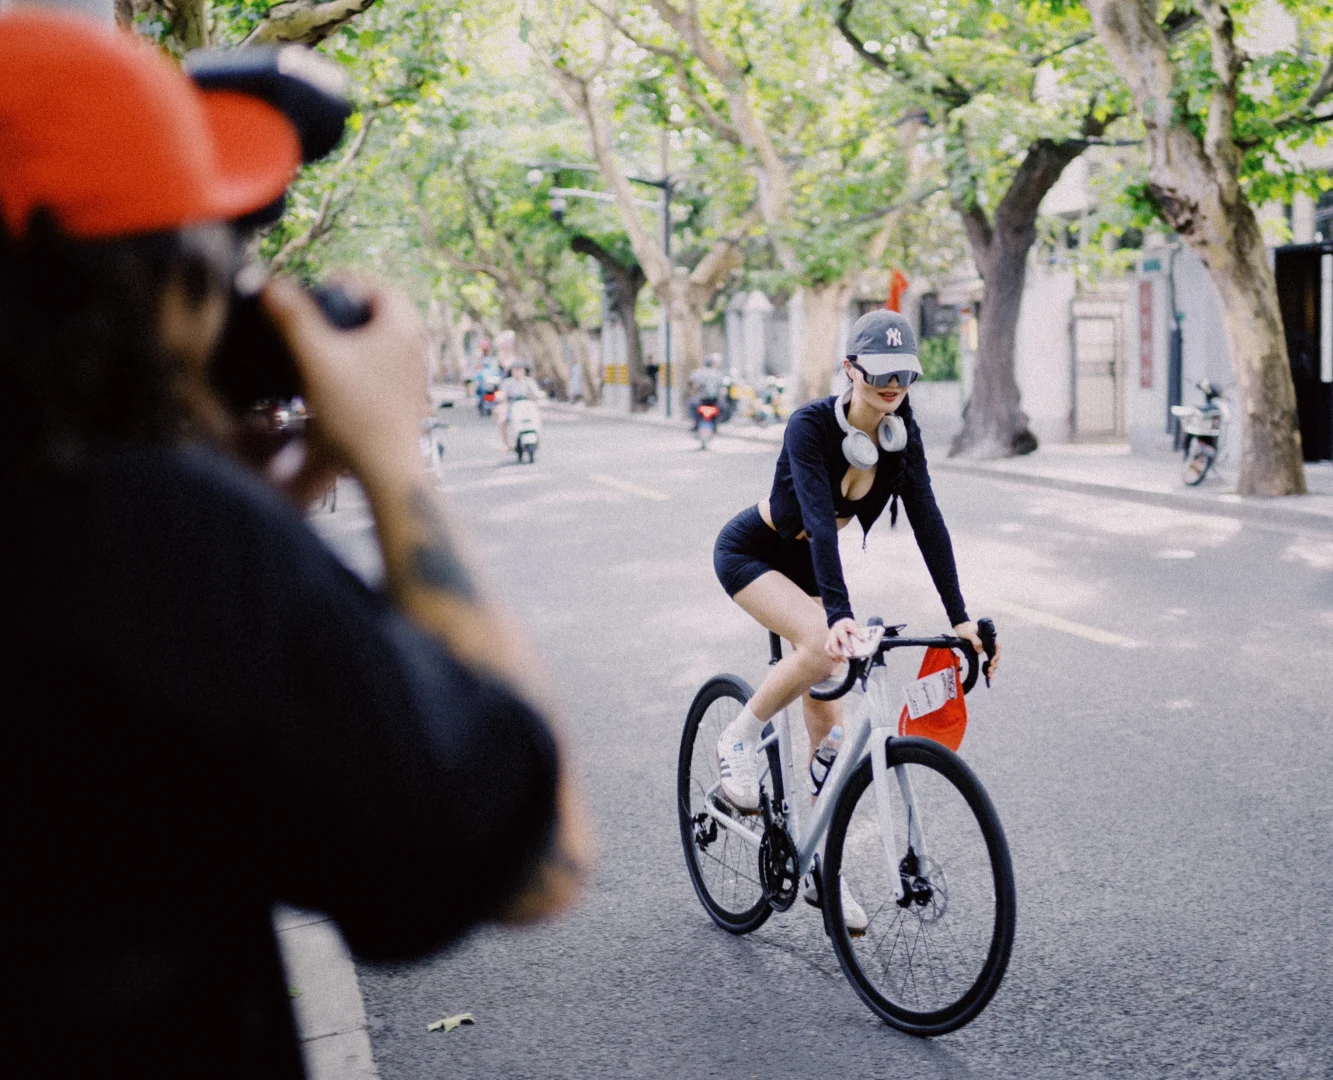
(219, 716)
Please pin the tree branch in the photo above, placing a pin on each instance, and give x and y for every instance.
(1219, 136)
(774, 181)
(629, 273)
(588, 103)
(712, 118)
(1082, 39)
(712, 271)
(625, 32)
(843, 22)
(305, 22)
(323, 218)
(1323, 88)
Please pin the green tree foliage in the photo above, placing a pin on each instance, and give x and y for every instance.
(1011, 92)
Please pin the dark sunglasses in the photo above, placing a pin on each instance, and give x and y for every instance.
(905, 378)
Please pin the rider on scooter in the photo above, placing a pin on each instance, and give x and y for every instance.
(707, 385)
(518, 385)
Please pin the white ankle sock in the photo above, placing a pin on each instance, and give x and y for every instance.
(746, 725)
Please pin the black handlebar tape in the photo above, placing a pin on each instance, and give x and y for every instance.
(854, 668)
(986, 631)
(973, 668)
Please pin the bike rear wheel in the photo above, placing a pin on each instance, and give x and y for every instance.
(929, 963)
(724, 869)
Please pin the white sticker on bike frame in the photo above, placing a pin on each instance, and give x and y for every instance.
(928, 694)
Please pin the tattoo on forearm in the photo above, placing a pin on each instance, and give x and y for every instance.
(433, 561)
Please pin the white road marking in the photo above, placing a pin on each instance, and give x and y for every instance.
(502, 481)
(1065, 626)
(628, 488)
(1175, 553)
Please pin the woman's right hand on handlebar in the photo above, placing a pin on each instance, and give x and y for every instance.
(841, 642)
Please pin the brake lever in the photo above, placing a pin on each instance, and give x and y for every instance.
(867, 642)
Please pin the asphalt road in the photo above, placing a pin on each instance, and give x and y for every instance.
(1159, 746)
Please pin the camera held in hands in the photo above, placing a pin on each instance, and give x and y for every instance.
(252, 371)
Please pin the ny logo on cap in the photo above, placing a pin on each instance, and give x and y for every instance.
(893, 336)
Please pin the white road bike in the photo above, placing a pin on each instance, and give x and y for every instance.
(904, 824)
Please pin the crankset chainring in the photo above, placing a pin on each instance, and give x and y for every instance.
(778, 872)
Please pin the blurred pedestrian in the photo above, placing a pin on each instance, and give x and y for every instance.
(216, 716)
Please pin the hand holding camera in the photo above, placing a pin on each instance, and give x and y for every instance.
(352, 350)
(365, 386)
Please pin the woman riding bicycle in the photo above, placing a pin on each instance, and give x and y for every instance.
(842, 457)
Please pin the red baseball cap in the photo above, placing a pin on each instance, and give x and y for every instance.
(113, 139)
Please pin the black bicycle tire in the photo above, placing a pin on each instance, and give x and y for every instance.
(717, 687)
(916, 751)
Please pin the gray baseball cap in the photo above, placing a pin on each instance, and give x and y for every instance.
(882, 344)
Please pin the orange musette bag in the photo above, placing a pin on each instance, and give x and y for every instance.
(936, 708)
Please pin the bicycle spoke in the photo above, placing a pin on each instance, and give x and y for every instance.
(925, 953)
(725, 866)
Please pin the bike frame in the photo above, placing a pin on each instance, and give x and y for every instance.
(868, 722)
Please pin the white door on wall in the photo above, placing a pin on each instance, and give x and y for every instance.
(1096, 375)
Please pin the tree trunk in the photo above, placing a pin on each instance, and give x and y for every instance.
(994, 424)
(577, 341)
(446, 341)
(825, 305)
(1196, 182)
(1270, 437)
(628, 287)
(548, 354)
(687, 346)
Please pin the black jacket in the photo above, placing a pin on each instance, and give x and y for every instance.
(807, 496)
(217, 717)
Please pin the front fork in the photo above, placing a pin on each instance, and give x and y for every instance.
(881, 737)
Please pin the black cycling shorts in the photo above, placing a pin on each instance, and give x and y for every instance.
(747, 547)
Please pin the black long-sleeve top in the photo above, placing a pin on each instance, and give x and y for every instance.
(221, 717)
(807, 496)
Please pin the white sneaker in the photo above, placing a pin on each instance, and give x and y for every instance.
(853, 914)
(738, 766)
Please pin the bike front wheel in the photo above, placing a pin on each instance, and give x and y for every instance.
(928, 963)
(723, 863)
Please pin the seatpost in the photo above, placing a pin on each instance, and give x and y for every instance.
(774, 648)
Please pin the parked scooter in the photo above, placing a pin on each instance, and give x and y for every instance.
(772, 406)
(706, 414)
(1201, 431)
(727, 401)
(524, 429)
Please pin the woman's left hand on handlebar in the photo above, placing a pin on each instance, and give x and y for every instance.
(968, 632)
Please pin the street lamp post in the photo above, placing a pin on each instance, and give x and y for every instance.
(666, 308)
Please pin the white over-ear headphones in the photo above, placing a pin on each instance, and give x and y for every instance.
(859, 448)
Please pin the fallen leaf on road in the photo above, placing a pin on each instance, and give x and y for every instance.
(448, 1023)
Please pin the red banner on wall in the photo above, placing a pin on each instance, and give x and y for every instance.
(1145, 335)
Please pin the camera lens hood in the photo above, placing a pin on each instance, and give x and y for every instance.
(309, 89)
